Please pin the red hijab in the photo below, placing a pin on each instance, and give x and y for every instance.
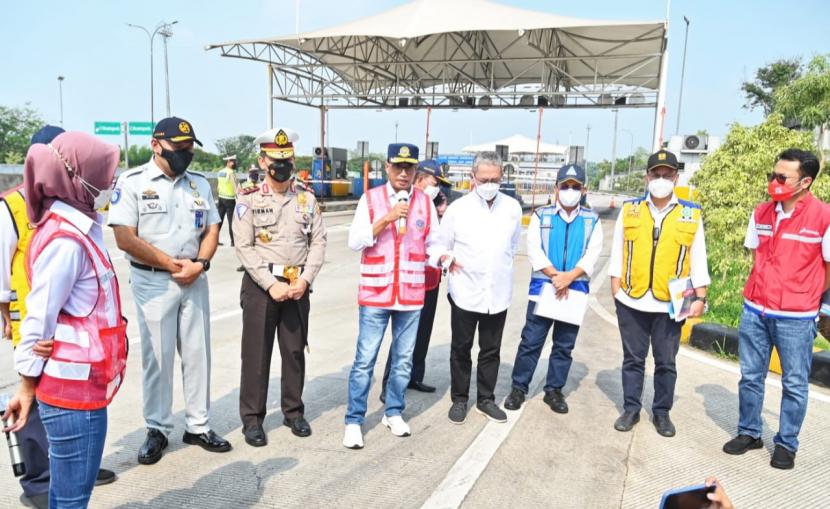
(54, 172)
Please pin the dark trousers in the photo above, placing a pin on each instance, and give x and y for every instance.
(226, 206)
(262, 317)
(419, 355)
(638, 330)
(490, 328)
(34, 448)
(534, 334)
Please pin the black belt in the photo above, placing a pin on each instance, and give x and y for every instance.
(283, 279)
(147, 267)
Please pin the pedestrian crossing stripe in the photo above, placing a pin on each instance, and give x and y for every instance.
(241, 209)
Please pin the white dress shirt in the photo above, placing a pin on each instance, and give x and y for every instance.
(8, 246)
(483, 239)
(699, 269)
(361, 237)
(63, 278)
(751, 241)
(539, 260)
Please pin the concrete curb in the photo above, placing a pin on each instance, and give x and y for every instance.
(714, 337)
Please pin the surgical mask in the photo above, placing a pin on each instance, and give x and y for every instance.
(660, 188)
(178, 160)
(280, 171)
(431, 191)
(100, 197)
(487, 191)
(569, 197)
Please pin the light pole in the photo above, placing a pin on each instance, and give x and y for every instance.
(396, 131)
(165, 34)
(151, 36)
(60, 96)
(630, 153)
(614, 147)
(682, 76)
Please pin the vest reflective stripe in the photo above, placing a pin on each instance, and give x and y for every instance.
(787, 278)
(225, 185)
(393, 270)
(654, 254)
(563, 243)
(16, 205)
(89, 355)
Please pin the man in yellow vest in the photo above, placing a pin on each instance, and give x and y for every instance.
(226, 191)
(657, 238)
(15, 234)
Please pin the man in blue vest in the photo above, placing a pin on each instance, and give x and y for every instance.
(564, 241)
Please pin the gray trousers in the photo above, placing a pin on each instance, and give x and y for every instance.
(173, 318)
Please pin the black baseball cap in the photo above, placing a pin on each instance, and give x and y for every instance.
(570, 172)
(175, 129)
(662, 158)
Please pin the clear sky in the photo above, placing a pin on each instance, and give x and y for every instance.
(106, 65)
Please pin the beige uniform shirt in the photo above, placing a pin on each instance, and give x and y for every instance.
(279, 229)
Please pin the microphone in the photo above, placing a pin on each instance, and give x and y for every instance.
(402, 196)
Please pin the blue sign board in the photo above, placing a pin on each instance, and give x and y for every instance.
(456, 159)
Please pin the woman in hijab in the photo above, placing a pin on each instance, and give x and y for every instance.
(72, 351)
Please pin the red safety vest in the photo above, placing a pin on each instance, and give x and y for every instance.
(393, 269)
(89, 355)
(787, 279)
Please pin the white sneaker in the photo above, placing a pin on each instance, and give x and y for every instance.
(353, 439)
(396, 425)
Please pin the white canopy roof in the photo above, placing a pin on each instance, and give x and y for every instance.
(465, 53)
(518, 144)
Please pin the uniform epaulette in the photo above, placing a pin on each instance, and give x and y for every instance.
(687, 203)
(196, 173)
(133, 172)
(249, 190)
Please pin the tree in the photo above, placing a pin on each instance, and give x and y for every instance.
(807, 99)
(17, 125)
(760, 93)
(730, 183)
(206, 161)
(139, 154)
(241, 146)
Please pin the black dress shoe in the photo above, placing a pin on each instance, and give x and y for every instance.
(105, 477)
(383, 395)
(556, 401)
(240, 269)
(626, 421)
(255, 436)
(742, 443)
(514, 400)
(663, 425)
(299, 426)
(420, 387)
(208, 441)
(153, 446)
(40, 501)
(782, 458)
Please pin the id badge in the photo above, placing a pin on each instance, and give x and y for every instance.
(199, 218)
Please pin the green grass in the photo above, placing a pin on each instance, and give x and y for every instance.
(821, 343)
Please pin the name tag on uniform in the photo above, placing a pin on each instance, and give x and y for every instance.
(199, 218)
(763, 227)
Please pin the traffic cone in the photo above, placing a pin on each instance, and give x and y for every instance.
(613, 205)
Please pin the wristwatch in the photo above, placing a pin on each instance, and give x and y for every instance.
(695, 299)
(205, 263)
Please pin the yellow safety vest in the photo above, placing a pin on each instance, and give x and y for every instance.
(655, 254)
(226, 184)
(19, 279)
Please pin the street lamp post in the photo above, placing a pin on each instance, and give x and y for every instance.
(682, 76)
(60, 96)
(630, 154)
(614, 147)
(161, 26)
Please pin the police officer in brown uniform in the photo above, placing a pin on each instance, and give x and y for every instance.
(280, 241)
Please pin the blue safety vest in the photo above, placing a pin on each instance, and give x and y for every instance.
(564, 244)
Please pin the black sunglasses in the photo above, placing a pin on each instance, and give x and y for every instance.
(575, 187)
(781, 178)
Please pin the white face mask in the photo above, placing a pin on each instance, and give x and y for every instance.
(102, 200)
(661, 188)
(569, 197)
(431, 191)
(487, 191)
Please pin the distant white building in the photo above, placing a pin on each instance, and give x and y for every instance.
(691, 149)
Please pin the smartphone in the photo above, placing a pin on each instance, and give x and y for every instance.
(691, 497)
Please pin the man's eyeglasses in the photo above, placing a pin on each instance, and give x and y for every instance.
(779, 177)
(408, 168)
(575, 187)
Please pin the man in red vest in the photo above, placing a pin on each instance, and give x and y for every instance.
(392, 228)
(790, 239)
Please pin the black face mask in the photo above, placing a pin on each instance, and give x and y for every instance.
(254, 177)
(280, 170)
(178, 160)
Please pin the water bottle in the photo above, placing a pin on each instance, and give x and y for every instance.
(18, 467)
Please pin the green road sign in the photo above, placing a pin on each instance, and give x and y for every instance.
(141, 128)
(111, 128)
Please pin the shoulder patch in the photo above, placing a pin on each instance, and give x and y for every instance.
(241, 210)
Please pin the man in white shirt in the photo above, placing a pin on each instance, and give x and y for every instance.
(657, 238)
(564, 241)
(393, 228)
(478, 238)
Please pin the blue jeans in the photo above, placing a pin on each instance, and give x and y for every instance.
(794, 341)
(373, 323)
(76, 445)
(534, 334)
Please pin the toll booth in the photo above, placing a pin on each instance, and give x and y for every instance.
(329, 164)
